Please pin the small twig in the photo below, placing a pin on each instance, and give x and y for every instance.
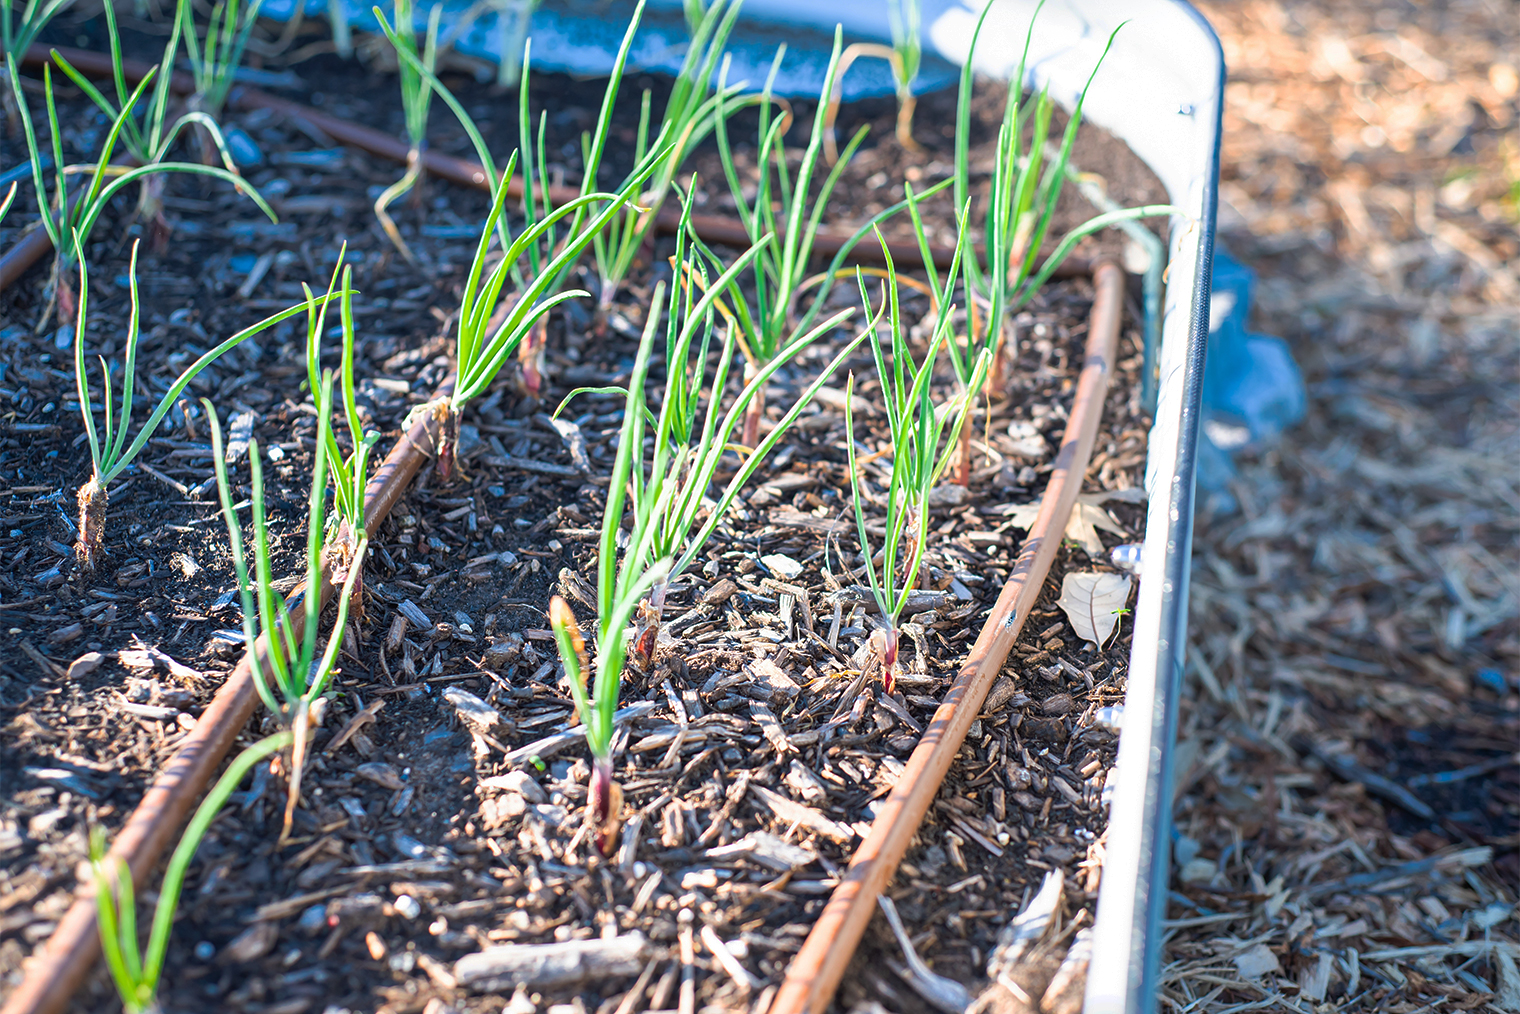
(688, 1001)
(732, 965)
(557, 742)
(631, 998)
(356, 723)
(174, 484)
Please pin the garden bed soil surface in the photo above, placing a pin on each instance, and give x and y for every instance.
(420, 840)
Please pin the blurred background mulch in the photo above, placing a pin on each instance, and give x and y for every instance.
(1348, 795)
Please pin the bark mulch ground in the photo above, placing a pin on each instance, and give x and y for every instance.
(1350, 797)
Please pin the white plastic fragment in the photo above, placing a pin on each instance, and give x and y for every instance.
(1127, 557)
(1110, 718)
(783, 567)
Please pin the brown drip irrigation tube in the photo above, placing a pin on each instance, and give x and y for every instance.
(54, 974)
(28, 251)
(815, 972)
(711, 228)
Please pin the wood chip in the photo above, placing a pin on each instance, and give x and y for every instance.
(414, 615)
(85, 664)
(472, 710)
(772, 679)
(352, 727)
(919, 601)
(560, 740)
(771, 728)
(720, 592)
(730, 964)
(789, 812)
(47, 665)
(766, 849)
(541, 966)
(1003, 695)
(383, 775)
(148, 657)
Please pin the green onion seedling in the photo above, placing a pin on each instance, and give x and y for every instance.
(214, 60)
(343, 34)
(917, 427)
(486, 338)
(688, 118)
(137, 972)
(1019, 208)
(149, 142)
(68, 218)
(416, 99)
(783, 208)
(350, 474)
(537, 205)
(1024, 192)
(110, 453)
(666, 502)
(513, 17)
(672, 515)
(619, 590)
(905, 57)
(16, 37)
(907, 42)
(295, 671)
(540, 258)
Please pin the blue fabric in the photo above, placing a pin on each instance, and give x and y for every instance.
(1253, 390)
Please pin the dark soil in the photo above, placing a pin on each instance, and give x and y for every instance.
(762, 651)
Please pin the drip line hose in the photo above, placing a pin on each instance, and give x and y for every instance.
(65, 960)
(815, 972)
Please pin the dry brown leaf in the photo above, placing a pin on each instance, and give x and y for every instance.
(1093, 603)
(1086, 518)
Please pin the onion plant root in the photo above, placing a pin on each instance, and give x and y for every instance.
(93, 503)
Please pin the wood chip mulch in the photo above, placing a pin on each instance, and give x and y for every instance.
(1350, 798)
